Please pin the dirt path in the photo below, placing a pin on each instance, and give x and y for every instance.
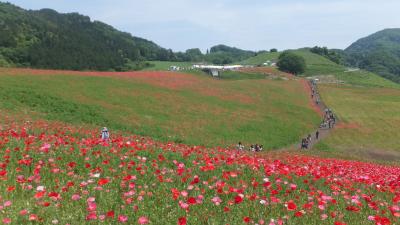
(317, 103)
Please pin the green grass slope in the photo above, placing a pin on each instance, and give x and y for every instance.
(167, 106)
(261, 58)
(370, 122)
(316, 64)
(367, 105)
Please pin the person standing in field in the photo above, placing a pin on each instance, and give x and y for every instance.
(105, 135)
(304, 143)
(252, 149)
(317, 134)
(257, 148)
(240, 147)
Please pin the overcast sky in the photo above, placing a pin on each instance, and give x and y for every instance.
(247, 24)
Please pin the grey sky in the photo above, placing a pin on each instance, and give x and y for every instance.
(247, 24)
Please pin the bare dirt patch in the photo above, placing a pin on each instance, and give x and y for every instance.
(348, 126)
(268, 71)
(383, 155)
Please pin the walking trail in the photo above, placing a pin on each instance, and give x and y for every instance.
(318, 104)
(320, 108)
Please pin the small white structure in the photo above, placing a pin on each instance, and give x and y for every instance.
(214, 73)
(269, 63)
(214, 70)
(214, 67)
(348, 70)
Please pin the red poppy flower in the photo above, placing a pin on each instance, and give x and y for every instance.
(191, 201)
(291, 206)
(238, 199)
(103, 181)
(182, 221)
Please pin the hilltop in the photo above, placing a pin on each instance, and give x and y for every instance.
(378, 53)
(316, 64)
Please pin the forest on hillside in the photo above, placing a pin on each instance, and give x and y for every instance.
(378, 53)
(51, 40)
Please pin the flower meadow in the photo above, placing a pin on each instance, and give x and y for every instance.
(52, 173)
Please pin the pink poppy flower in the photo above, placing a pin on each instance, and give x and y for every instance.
(91, 216)
(216, 200)
(75, 197)
(143, 220)
(123, 218)
(7, 204)
(7, 220)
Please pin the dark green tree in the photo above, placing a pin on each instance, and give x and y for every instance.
(194, 55)
(291, 63)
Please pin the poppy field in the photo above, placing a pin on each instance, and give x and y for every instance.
(53, 173)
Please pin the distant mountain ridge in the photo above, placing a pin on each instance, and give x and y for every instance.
(222, 54)
(378, 53)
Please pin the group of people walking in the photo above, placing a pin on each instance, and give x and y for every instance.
(307, 141)
(314, 93)
(328, 121)
(253, 147)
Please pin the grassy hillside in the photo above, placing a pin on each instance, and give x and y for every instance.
(370, 122)
(368, 107)
(261, 58)
(316, 64)
(367, 104)
(167, 106)
(364, 79)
